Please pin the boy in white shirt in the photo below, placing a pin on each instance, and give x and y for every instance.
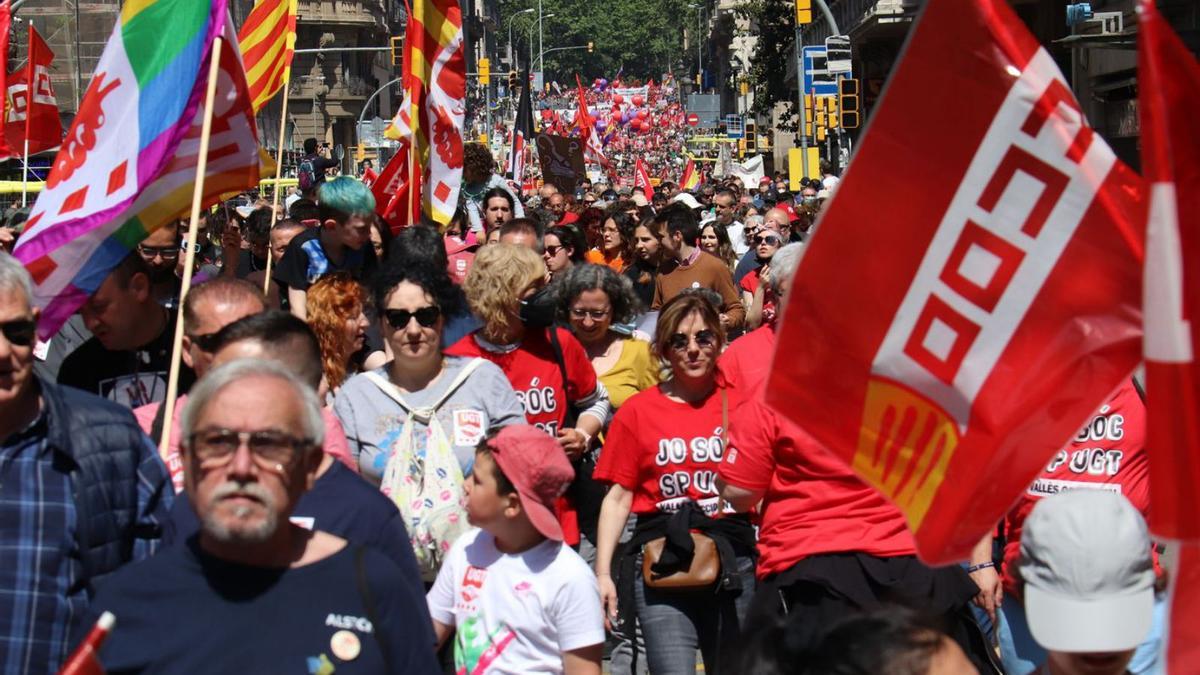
(519, 600)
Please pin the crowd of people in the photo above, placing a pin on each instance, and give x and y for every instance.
(529, 440)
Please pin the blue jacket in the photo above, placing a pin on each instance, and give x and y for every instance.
(121, 488)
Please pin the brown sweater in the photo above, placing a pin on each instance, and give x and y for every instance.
(707, 272)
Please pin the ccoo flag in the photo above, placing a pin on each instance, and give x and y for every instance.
(989, 315)
(641, 179)
(268, 39)
(32, 111)
(128, 163)
(1168, 96)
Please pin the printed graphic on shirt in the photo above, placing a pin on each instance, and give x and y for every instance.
(689, 464)
(1091, 461)
(135, 390)
(541, 405)
(475, 649)
(468, 426)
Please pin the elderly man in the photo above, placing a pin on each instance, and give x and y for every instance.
(84, 493)
(253, 592)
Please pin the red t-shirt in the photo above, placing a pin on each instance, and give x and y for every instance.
(1108, 453)
(813, 503)
(665, 452)
(747, 362)
(534, 374)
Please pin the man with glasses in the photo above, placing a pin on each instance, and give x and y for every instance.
(207, 309)
(253, 592)
(128, 357)
(161, 250)
(84, 493)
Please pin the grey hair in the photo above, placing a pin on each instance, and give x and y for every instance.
(588, 277)
(784, 264)
(217, 379)
(753, 221)
(13, 275)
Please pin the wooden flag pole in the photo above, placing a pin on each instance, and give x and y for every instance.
(413, 159)
(189, 259)
(278, 173)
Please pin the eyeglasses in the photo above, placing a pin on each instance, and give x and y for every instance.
(769, 240)
(20, 332)
(399, 318)
(595, 314)
(552, 250)
(167, 252)
(207, 342)
(195, 249)
(270, 449)
(704, 340)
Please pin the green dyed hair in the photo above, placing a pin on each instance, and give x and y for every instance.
(343, 197)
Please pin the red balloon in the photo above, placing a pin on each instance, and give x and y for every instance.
(635, 124)
(643, 114)
(666, 122)
(618, 99)
(638, 99)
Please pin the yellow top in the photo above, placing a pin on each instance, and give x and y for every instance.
(635, 370)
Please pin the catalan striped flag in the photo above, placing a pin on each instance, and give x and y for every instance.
(128, 163)
(268, 39)
(435, 80)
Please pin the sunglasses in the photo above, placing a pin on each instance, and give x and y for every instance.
(704, 340)
(271, 450)
(20, 332)
(553, 250)
(167, 252)
(399, 318)
(207, 342)
(770, 240)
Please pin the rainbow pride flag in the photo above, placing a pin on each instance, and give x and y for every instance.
(123, 169)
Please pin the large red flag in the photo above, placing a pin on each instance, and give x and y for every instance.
(34, 110)
(1168, 98)
(641, 178)
(947, 351)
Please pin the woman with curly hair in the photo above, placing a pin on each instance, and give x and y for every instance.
(715, 240)
(548, 368)
(336, 304)
(616, 244)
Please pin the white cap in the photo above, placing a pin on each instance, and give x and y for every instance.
(686, 199)
(1088, 572)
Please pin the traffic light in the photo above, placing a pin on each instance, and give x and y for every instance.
(591, 45)
(485, 71)
(744, 87)
(808, 111)
(512, 80)
(397, 44)
(848, 103)
(803, 11)
(751, 136)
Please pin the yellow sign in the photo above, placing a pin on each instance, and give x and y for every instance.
(803, 11)
(485, 71)
(798, 169)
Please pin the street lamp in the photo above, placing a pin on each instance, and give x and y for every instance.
(511, 55)
(529, 39)
(541, 45)
(699, 54)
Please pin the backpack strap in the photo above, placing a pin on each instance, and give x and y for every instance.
(569, 421)
(423, 415)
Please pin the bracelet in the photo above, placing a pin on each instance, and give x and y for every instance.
(587, 438)
(980, 566)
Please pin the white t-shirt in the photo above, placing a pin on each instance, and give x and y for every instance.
(515, 613)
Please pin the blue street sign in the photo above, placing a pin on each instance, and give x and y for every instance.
(817, 80)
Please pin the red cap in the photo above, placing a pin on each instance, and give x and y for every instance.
(791, 211)
(764, 179)
(537, 466)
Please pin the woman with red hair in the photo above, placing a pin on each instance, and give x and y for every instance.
(336, 305)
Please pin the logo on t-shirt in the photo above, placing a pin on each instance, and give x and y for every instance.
(348, 621)
(678, 457)
(468, 427)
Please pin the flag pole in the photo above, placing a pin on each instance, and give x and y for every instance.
(278, 173)
(189, 259)
(413, 158)
(30, 85)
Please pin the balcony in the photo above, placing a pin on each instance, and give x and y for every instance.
(370, 13)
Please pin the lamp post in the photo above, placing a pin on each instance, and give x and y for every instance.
(510, 44)
(699, 54)
(533, 65)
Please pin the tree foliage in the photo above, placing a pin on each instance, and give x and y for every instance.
(644, 37)
(774, 23)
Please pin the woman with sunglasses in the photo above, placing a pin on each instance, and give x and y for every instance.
(546, 365)
(562, 248)
(756, 297)
(661, 455)
(413, 302)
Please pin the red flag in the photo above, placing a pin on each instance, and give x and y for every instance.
(33, 116)
(947, 371)
(1168, 96)
(690, 178)
(642, 179)
(391, 191)
(83, 661)
(1181, 648)
(5, 25)
(369, 176)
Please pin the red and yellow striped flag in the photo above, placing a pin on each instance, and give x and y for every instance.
(268, 38)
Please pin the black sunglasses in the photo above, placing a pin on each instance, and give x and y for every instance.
(207, 342)
(770, 240)
(704, 338)
(399, 318)
(20, 332)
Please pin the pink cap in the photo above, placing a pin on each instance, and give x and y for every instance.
(537, 466)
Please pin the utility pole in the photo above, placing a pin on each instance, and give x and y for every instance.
(802, 126)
